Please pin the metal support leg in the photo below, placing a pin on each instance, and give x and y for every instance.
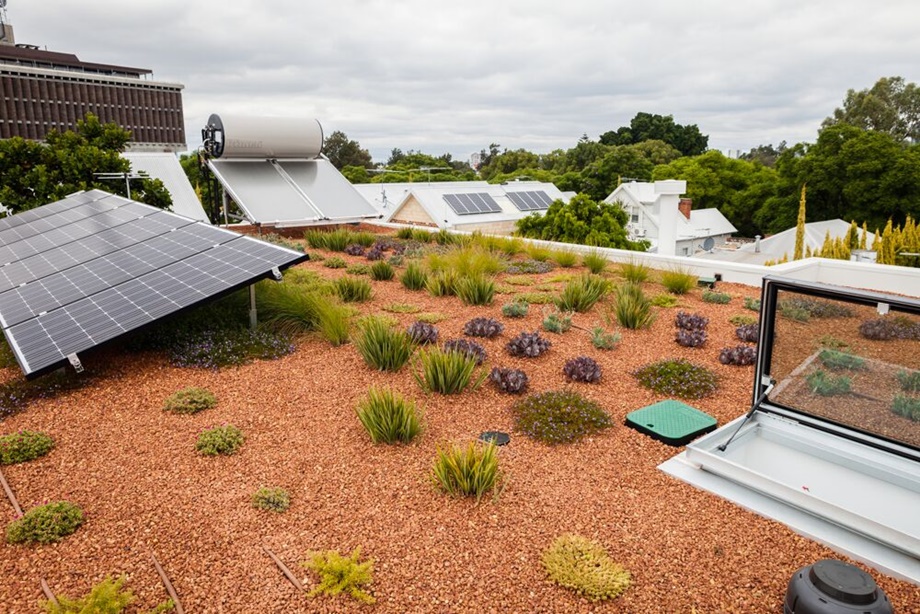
(253, 318)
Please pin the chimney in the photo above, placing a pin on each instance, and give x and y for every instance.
(684, 206)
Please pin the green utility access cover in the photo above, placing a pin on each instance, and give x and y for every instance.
(671, 422)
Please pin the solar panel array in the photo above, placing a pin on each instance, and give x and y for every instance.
(84, 270)
(530, 201)
(471, 204)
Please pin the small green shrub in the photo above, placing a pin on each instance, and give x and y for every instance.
(402, 308)
(382, 271)
(475, 290)
(826, 385)
(358, 269)
(224, 440)
(633, 310)
(443, 283)
(341, 574)
(581, 294)
(720, 298)
(830, 341)
(634, 272)
(470, 471)
(107, 597)
(742, 319)
(584, 566)
(595, 262)
(353, 289)
(752, 303)
(665, 300)
(529, 267)
(908, 407)
(271, 499)
(389, 417)
(382, 346)
(335, 262)
(603, 340)
(520, 280)
(24, 446)
(536, 298)
(678, 377)
(446, 371)
(190, 401)
(678, 280)
(841, 361)
(515, 309)
(793, 311)
(45, 524)
(414, 277)
(559, 417)
(564, 258)
(556, 322)
(909, 380)
(432, 317)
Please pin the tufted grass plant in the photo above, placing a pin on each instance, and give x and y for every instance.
(382, 271)
(565, 258)
(389, 417)
(826, 385)
(841, 361)
(23, 446)
(470, 470)
(221, 440)
(678, 377)
(678, 280)
(383, 346)
(909, 381)
(271, 499)
(582, 294)
(414, 277)
(634, 271)
(442, 283)
(557, 417)
(906, 406)
(45, 524)
(447, 372)
(595, 262)
(632, 309)
(190, 400)
(584, 566)
(362, 238)
(341, 574)
(475, 290)
(353, 289)
(466, 261)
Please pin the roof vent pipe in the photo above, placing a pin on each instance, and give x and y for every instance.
(757, 244)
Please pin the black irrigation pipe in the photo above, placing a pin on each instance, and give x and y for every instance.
(169, 587)
(10, 495)
(284, 569)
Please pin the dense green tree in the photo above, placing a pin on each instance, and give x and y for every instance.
(765, 154)
(343, 151)
(508, 162)
(621, 162)
(583, 154)
(646, 126)
(891, 106)
(583, 221)
(34, 174)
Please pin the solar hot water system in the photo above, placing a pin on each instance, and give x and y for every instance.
(272, 172)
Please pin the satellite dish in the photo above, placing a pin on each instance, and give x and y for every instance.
(708, 244)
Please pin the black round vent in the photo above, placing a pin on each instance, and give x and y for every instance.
(834, 587)
(843, 582)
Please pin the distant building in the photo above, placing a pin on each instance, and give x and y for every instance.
(658, 214)
(41, 90)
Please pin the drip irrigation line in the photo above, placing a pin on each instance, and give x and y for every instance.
(169, 587)
(10, 495)
(47, 590)
(284, 569)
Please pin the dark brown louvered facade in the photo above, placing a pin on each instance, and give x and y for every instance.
(41, 90)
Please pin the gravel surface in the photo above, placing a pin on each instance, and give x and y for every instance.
(133, 469)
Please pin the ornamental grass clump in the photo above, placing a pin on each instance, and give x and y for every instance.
(678, 377)
(271, 499)
(341, 574)
(528, 345)
(442, 283)
(826, 385)
(582, 294)
(752, 303)
(634, 272)
(595, 262)
(512, 381)
(678, 280)
(841, 361)
(582, 369)
(447, 371)
(564, 257)
(906, 406)
(483, 327)
(45, 524)
(584, 566)
(414, 277)
(382, 346)
(631, 307)
(466, 471)
(24, 446)
(389, 417)
(475, 289)
(190, 400)
(423, 333)
(220, 440)
(556, 417)
(382, 271)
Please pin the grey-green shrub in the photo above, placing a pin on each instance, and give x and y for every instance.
(603, 340)
(557, 322)
(388, 417)
(190, 400)
(24, 446)
(45, 524)
(335, 262)
(719, 298)
(272, 499)
(515, 309)
(220, 440)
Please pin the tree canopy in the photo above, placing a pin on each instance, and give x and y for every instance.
(343, 151)
(890, 106)
(582, 221)
(688, 140)
(35, 174)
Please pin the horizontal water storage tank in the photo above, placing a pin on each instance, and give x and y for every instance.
(255, 137)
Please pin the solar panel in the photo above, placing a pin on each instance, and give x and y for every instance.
(530, 200)
(83, 270)
(469, 204)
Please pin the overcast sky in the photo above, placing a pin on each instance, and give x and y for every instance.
(455, 77)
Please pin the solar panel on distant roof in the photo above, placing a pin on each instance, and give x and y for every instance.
(83, 270)
(530, 200)
(473, 203)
